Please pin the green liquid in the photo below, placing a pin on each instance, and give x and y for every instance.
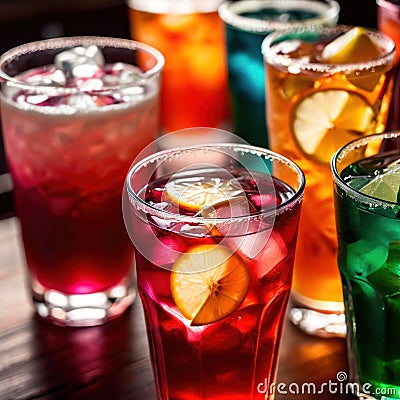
(369, 262)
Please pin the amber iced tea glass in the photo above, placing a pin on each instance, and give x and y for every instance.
(75, 112)
(317, 102)
(215, 245)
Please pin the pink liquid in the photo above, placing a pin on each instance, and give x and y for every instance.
(233, 357)
(68, 171)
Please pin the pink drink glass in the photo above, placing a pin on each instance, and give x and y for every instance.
(70, 136)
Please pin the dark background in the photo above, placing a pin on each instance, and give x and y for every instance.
(23, 21)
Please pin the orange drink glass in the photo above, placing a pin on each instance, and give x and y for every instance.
(190, 35)
(325, 87)
(215, 246)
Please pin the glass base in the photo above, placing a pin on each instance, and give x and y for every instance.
(80, 310)
(317, 318)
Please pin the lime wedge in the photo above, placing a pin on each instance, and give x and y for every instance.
(385, 186)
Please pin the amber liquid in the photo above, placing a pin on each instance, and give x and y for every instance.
(316, 280)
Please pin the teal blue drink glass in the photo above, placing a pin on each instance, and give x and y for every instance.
(247, 23)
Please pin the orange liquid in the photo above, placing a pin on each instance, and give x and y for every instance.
(316, 274)
(194, 80)
(389, 22)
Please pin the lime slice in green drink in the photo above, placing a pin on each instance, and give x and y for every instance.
(385, 186)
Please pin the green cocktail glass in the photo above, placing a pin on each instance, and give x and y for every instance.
(366, 174)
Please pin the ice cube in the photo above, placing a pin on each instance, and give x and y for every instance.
(36, 99)
(247, 318)
(47, 77)
(385, 281)
(265, 247)
(130, 93)
(228, 210)
(265, 200)
(364, 257)
(128, 76)
(80, 62)
(220, 338)
(168, 249)
(90, 84)
(110, 80)
(388, 228)
(387, 278)
(272, 251)
(157, 284)
(120, 74)
(194, 230)
(80, 100)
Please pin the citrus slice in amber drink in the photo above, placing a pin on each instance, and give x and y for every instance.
(208, 283)
(386, 185)
(351, 47)
(354, 46)
(324, 121)
(194, 193)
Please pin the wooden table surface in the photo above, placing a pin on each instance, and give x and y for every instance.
(42, 361)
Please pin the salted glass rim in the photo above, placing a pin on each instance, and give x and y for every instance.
(163, 155)
(229, 12)
(302, 64)
(73, 41)
(177, 7)
(338, 156)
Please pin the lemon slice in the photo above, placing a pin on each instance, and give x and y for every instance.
(351, 47)
(385, 186)
(208, 283)
(324, 121)
(194, 193)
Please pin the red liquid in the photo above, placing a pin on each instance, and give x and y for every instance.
(232, 358)
(82, 250)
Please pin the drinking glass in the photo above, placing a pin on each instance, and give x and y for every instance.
(190, 35)
(366, 179)
(247, 23)
(388, 14)
(75, 113)
(214, 232)
(320, 98)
